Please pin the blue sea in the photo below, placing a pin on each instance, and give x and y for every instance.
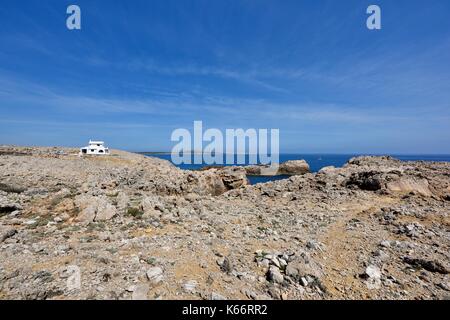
(315, 161)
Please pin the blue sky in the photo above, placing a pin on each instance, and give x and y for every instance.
(139, 69)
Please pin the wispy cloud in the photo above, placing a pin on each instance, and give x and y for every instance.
(204, 106)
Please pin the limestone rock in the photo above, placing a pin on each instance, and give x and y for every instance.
(155, 275)
(152, 206)
(275, 275)
(7, 234)
(190, 285)
(87, 214)
(123, 201)
(105, 210)
(333, 221)
(94, 208)
(406, 185)
(293, 167)
(373, 276)
(140, 292)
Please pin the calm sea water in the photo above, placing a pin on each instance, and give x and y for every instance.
(315, 161)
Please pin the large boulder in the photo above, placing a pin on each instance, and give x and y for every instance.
(94, 208)
(218, 181)
(409, 184)
(390, 180)
(152, 206)
(211, 183)
(233, 177)
(87, 214)
(366, 180)
(105, 210)
(253, 170)
(329, 170)
(262, 170)
(293, 167)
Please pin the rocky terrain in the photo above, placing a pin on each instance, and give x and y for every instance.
(127, 226)
(288, 168)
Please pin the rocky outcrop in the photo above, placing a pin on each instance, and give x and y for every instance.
(135, 227)
(217, 181)
(293, 167)
(290, 168)
(254, 170)
(94, 208)
(366, 174)
(366, 180)
(233, 177)
(410, 184)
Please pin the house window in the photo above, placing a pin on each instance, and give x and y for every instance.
(92, 150)
(100, 151)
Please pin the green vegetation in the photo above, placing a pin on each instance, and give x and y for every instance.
(135, 212)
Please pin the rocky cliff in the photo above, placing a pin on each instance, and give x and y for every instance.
(133, 227)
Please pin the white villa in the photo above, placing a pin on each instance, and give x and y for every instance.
(95, 147)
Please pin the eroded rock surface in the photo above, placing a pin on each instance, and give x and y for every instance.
(133, 227)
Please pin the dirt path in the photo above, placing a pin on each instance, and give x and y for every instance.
(347, 243)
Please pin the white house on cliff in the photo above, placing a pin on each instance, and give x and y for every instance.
(95, 147)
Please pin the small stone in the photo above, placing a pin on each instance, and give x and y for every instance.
(264, 263)
(274, 292)
(225, 264)
(155, 275)
(216, 296)
(140, 292)
(444, 286)
(373, 275)
(385, 244)
(73, 274)
(190, 286)
(303, 281)
(313, 245)
(275, 275)
(15, 214)
(276, 262)
(64, 216)
(373, 272)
